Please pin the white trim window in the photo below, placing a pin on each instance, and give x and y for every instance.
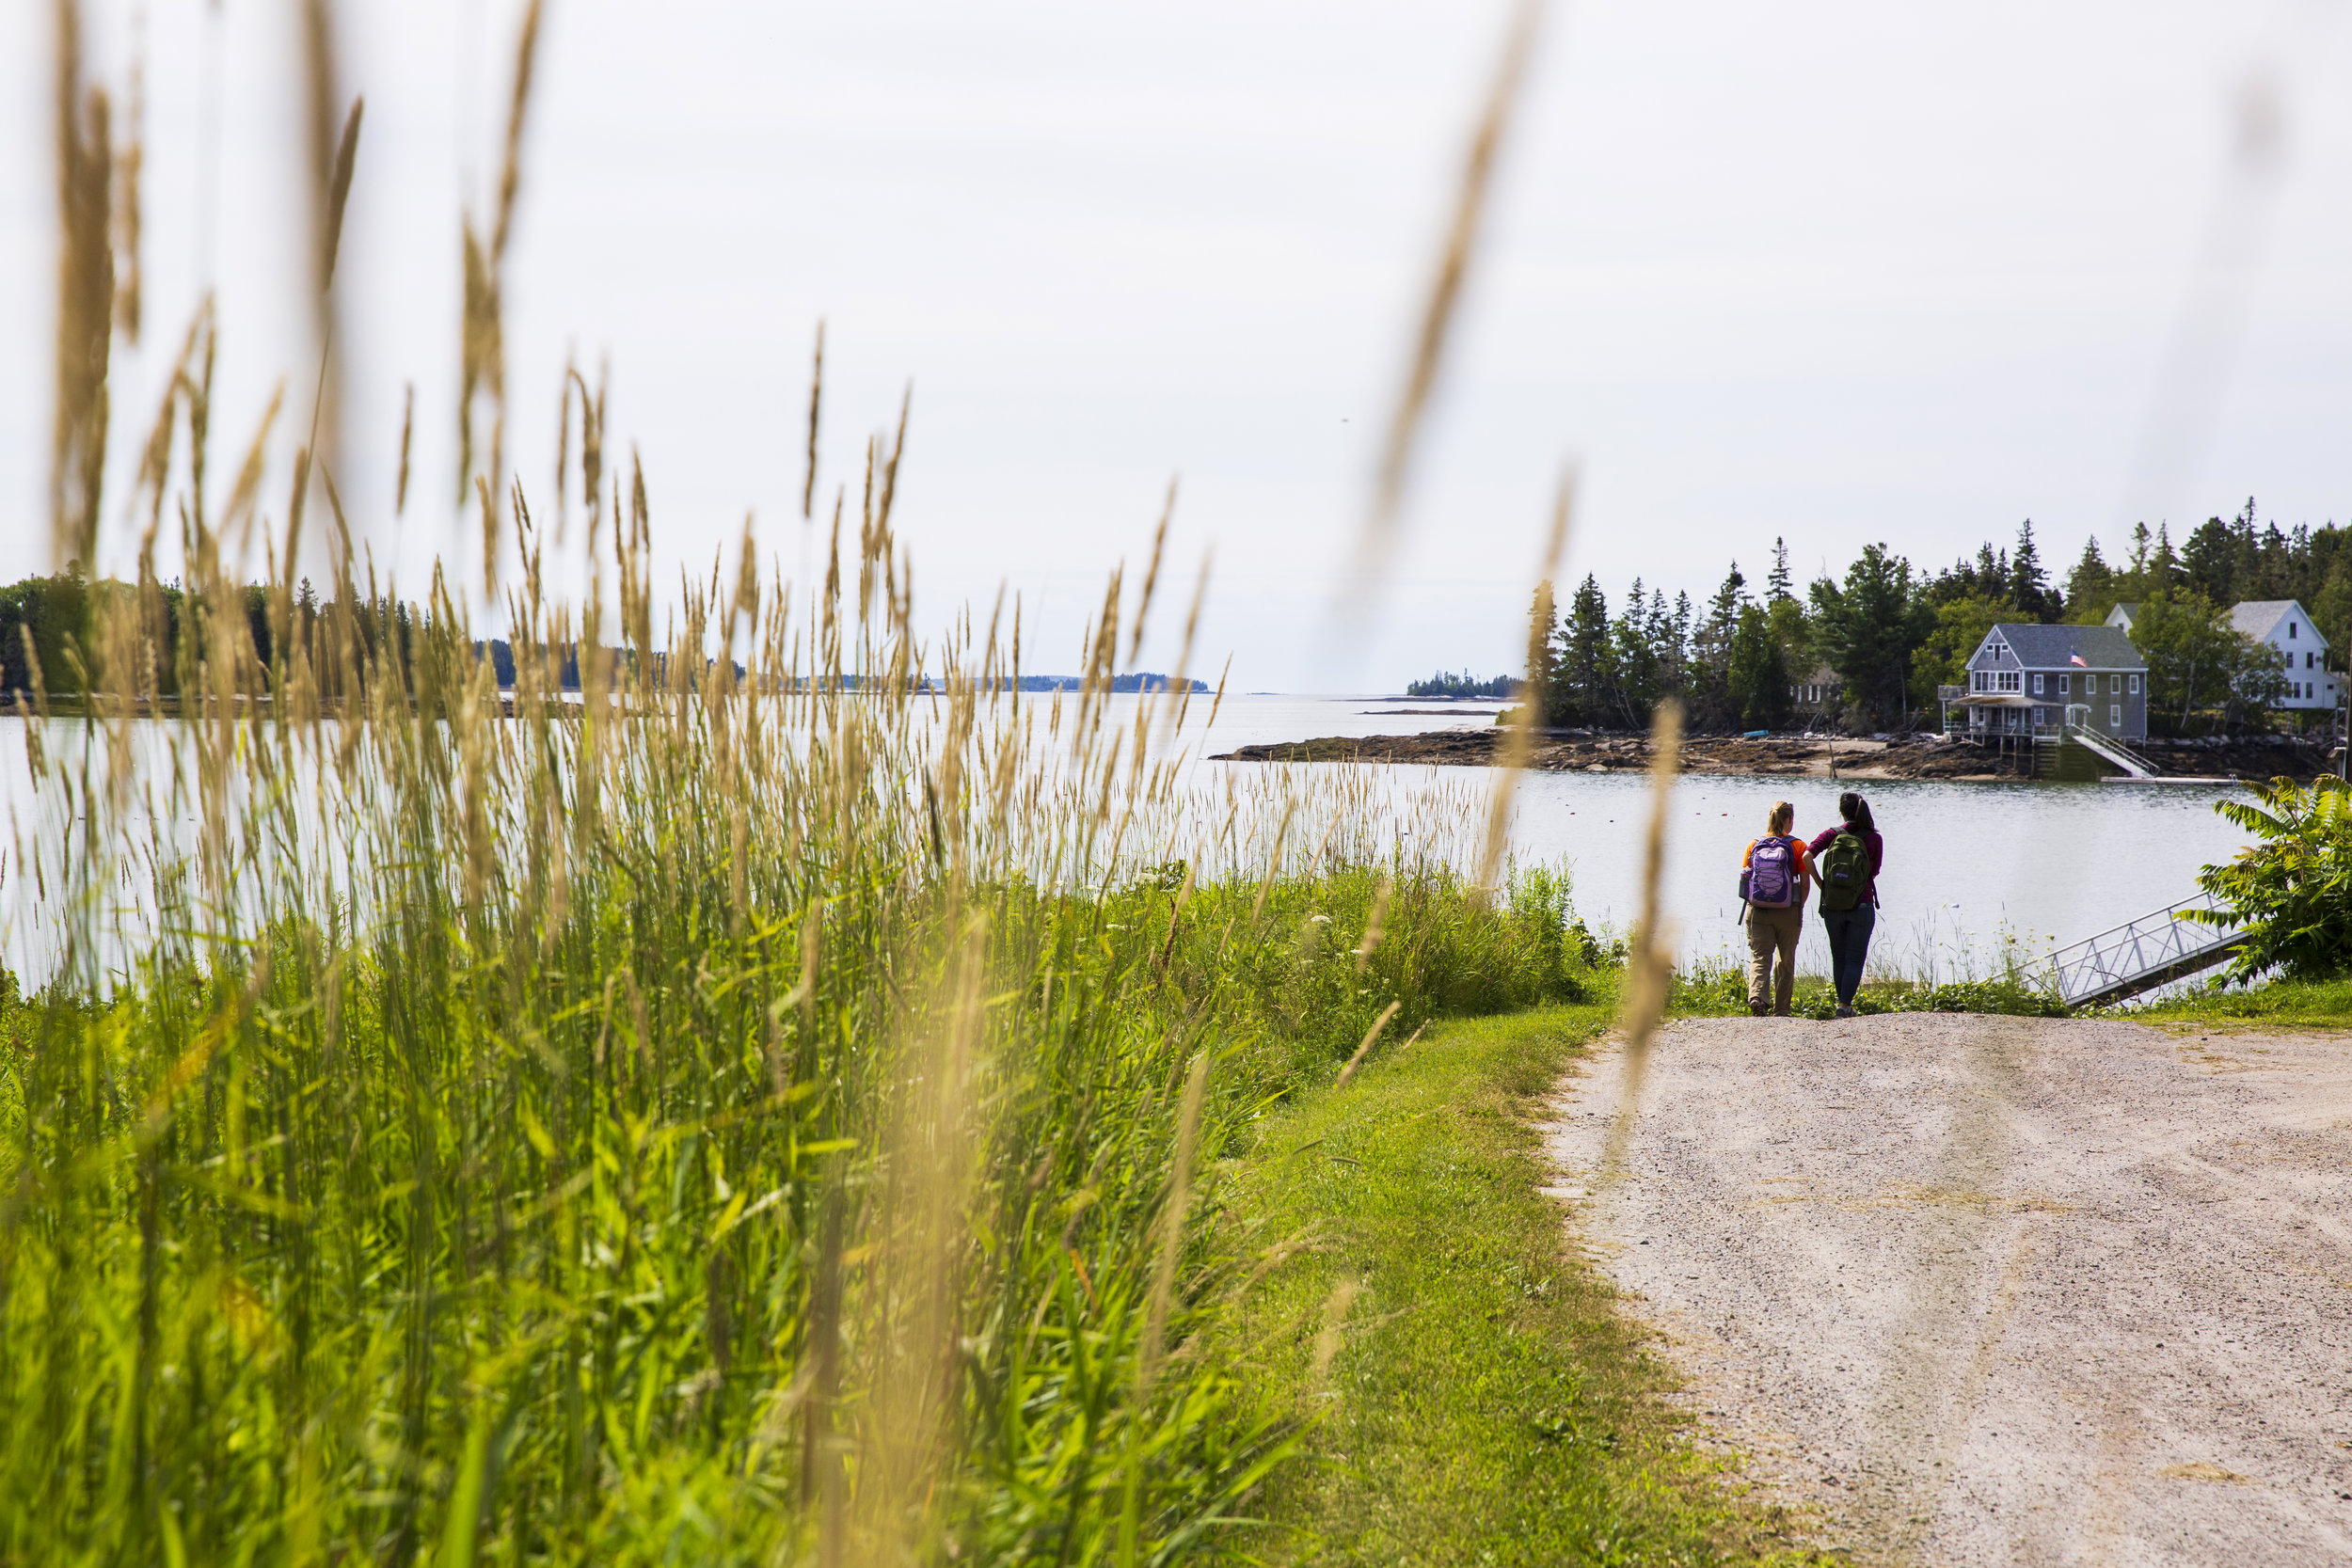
(2037, 684)
(2134, 685)
(2115, 716)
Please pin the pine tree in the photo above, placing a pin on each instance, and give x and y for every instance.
(1758, 673)
(2090, 587)
(1543, 676)
(1991, 574)
(2164, 565)
(2029, 586)
(1870, 629)
(1776, 582)
(1633, 657)
(1584, 669)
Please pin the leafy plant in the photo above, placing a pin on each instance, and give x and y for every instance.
(2292, 893)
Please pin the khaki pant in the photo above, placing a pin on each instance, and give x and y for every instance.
(1773, 931)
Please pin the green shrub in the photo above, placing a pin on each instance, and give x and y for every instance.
(2292, 893)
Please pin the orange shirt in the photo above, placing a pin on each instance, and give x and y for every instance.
(1805, 862)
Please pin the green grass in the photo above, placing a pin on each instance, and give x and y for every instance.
(1488, 1400)
(2304, 1004)
(1721, 990)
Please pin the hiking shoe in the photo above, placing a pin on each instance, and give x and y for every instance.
(1755, 1011)
(1844, 1011)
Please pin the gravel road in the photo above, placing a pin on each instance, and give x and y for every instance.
(1997, 1291)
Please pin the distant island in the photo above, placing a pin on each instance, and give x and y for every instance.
(1445, 683)
(1141, 680)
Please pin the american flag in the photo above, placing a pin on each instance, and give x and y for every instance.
(2076, 659)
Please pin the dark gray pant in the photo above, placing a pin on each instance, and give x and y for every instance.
(1848, 946)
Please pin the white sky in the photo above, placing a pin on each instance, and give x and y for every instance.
(1840, 272)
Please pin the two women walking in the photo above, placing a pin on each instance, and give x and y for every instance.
(1779, 873)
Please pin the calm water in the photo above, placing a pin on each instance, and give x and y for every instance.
(1966, 863)
(2048, 862)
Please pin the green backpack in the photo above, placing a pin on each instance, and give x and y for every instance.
(1845, 871)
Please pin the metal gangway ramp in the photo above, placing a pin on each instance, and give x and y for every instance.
(2110, 750)
(2138, 956)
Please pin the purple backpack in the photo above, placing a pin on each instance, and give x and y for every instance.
(1773, 873)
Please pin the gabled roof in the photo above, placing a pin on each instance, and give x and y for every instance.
(2041, 647)
(2258, 618)
(2123, 614)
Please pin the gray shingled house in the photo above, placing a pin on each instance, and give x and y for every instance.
(2027, 679)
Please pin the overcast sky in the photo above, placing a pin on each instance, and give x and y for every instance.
(1837, 272)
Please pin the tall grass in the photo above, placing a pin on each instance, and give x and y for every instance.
(728, 1112)
(755, 1091)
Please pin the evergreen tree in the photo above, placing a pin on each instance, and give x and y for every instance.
(1634, 658)
(2090, 587)
(1989, 580)
(2029, 586)
(2164, 565)
(1670, 634)
(2332, 608)
(1776, 582)
(1584, 670)
(1759, 673)
(2210, 556)
(1541, 691)
(1709, 683)
(1869, 628)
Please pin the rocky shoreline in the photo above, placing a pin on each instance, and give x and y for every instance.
(1921, 757)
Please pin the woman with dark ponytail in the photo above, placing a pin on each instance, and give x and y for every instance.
(1845, 861)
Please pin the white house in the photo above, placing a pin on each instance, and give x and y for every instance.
(2286, 625)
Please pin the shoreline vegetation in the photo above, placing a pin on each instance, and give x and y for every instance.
(1926, 756)
(1870, 652)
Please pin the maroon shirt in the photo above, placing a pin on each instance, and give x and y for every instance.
(1878, 854)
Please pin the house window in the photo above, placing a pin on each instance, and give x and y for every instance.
(2134, 685)
(2115, 716)
(2311, 661)
(2037, 685)
(2290, 630)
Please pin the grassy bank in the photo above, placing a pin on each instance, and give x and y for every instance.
(722, 1115)
(1721, 990)
(1471, 1390)
(2279, 1003)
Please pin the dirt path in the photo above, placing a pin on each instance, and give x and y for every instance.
(1998, 1291)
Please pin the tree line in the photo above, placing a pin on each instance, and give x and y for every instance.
(1866, 651)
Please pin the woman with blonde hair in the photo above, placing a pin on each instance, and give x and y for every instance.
(1775, 876)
